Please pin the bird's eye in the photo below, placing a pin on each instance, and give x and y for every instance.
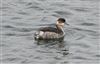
(60, 22)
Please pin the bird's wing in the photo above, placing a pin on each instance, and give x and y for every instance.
(48, 29)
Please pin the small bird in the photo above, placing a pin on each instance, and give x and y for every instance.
(50, 33)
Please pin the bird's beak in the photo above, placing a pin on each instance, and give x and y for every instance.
(66, 23)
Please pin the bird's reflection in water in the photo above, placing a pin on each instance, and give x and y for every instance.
(60, 45)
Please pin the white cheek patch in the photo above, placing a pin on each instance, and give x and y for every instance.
(60, 24)
(57, 23)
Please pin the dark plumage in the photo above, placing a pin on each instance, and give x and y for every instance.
(61, 20)
(56, 32)
(50, 29)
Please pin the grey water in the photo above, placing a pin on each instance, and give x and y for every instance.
(21, 18)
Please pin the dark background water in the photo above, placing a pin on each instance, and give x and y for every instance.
(21, 18)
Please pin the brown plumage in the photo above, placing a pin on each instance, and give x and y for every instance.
(51, 32)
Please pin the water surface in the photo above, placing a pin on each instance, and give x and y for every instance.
(21, 18)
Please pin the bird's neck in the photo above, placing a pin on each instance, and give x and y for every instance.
(60, 28)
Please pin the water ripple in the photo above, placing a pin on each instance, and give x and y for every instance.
(35, 7)
(8, 26)
(15, 18)
(88, 24)
(63, 13)
(12, 59)
(23, 13)
(89, 32)
(59, 4)
(81, 9)
(79, 57)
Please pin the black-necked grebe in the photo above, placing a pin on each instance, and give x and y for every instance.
(48, 33)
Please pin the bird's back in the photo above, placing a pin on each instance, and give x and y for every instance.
(48, 33)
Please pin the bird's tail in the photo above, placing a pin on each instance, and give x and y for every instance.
(36, 35)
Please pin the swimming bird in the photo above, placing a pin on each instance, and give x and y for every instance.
(50, 33)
